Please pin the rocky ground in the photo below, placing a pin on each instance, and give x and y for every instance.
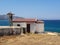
(30, 39)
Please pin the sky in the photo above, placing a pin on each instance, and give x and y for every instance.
(40, 9)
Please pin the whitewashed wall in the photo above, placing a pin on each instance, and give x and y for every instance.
(22, 24)
(40, 27)
(32, 27)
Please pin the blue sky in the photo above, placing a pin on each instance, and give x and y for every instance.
(41, 9)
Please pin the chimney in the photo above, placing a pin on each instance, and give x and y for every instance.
(10, 16)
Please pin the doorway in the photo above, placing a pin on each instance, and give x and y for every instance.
(24, 30)
(28, 28)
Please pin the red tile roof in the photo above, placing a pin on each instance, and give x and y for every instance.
(23, 20)
(27, 20)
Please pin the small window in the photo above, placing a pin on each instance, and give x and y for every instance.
(18, 24)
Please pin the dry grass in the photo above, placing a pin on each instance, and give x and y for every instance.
(30, 39)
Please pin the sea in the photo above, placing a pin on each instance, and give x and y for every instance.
(49, 25)
(52, 25)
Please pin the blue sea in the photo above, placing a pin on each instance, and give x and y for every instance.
(50, 25)
(4, 23)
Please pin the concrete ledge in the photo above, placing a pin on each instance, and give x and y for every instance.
(52, 33)
(9, 27)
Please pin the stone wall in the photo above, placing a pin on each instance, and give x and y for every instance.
(9, 31)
